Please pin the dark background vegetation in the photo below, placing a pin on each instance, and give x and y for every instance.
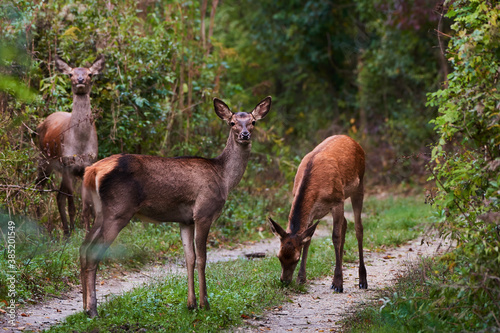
(333, 67)
(415, 82)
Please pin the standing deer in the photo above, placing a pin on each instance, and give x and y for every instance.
(188, 190)
(326, 177)
(68, 141)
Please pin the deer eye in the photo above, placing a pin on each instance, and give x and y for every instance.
(253, 122)
(90, 75)
(70, 75)
(232, 123)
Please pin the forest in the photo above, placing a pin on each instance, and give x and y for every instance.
(414, 82)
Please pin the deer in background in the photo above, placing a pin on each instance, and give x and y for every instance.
(188, 190)
(68, 141)
(326, 177)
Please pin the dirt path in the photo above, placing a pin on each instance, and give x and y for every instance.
(318, 309)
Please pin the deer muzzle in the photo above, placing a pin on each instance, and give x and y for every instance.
(245, 135)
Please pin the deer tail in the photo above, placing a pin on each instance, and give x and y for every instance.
(89, 178)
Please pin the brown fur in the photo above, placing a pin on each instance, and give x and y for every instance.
(188, 190)
(326, 177)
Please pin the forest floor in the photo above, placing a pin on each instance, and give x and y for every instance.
(318, 310)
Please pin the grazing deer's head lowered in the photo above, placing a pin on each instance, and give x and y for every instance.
(188, 190)
(68, 141)
(291, 248)
(326, 177)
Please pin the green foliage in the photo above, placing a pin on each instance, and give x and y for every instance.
(467, 157)
(360, 68)
(153, 97)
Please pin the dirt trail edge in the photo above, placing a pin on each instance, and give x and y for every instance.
(316, 310)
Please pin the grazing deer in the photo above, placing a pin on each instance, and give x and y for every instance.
(188, 190)
(68, 141)
(326, 177)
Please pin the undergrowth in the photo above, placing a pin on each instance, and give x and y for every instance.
(427, 298)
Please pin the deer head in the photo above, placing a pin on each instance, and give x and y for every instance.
(81, 78)
(290, 248)
(242, 123)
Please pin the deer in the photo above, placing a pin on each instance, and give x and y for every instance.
(190, 191)
(68, 141)
(327, 176)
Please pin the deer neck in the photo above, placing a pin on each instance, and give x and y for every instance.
(299, 218)
(233, 161)
(81, 138)
(303, 204)
(81, 115)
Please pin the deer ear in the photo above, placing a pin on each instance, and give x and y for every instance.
(308, 233)
(262, 108)
(277, 230)
(98, 65)
(222, 110)
(62, 66)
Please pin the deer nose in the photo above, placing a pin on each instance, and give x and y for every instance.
(80, 80)
(245, 135)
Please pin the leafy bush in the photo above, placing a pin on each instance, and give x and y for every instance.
(467, 161)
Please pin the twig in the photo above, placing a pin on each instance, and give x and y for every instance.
(442, 33)
(31, 189)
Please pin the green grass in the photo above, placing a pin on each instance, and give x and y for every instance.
(236, 289)
(241, 288)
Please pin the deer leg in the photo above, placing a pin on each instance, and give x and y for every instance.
(88, 213)
(357, 206)
(62, 195)
(96, 242)
(338, 243)
(71, 204)
(301, 277)
(187, 236)
(202, 227)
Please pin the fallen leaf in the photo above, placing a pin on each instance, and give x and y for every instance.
(24, 315)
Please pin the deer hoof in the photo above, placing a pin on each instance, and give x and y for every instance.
(92, 313)
(337, 289)
(363, 285)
